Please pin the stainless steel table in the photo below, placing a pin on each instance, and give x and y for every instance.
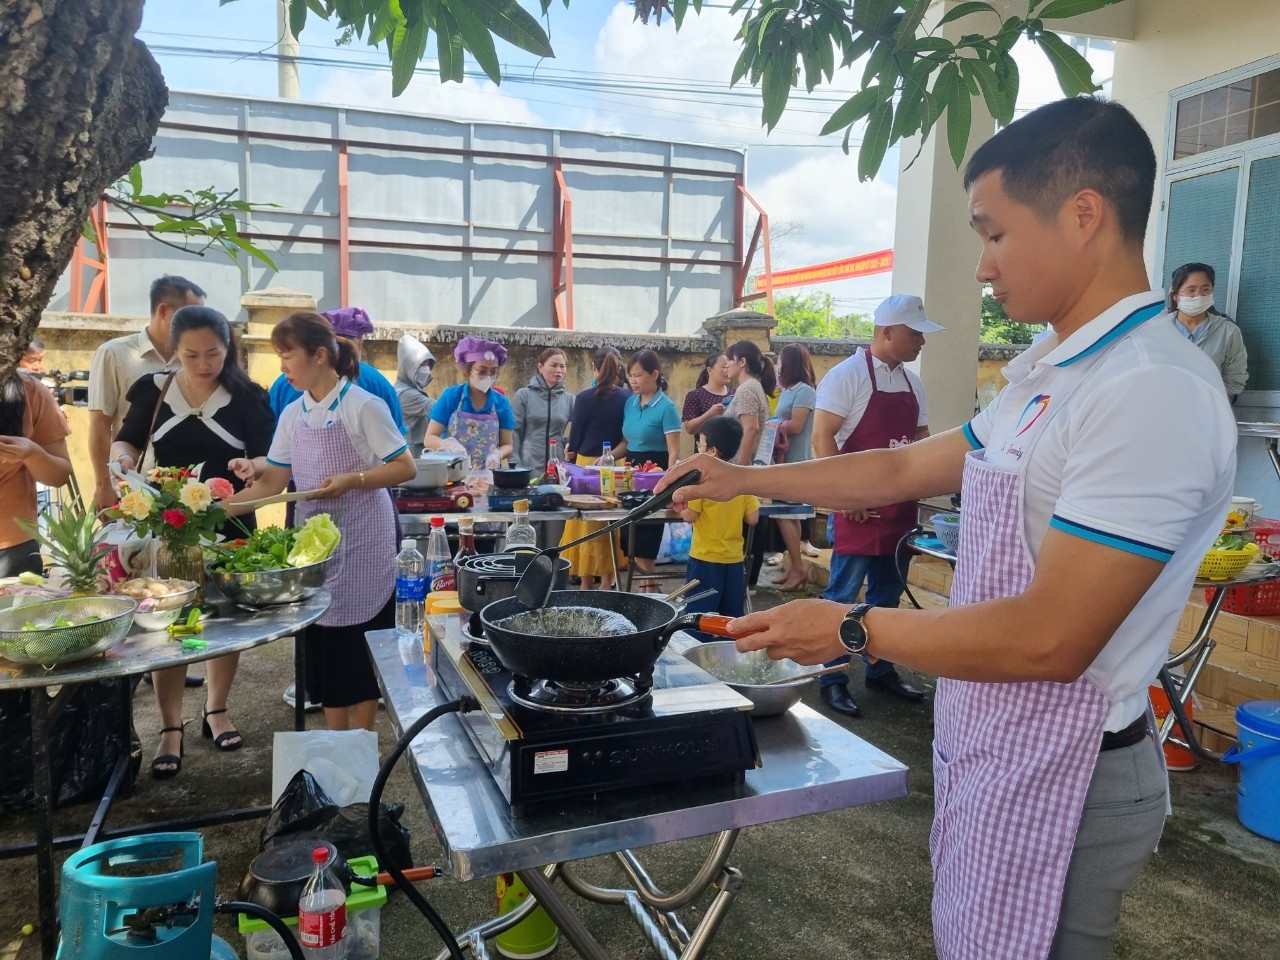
(810, 765)
(1270, 432)
(235, 629)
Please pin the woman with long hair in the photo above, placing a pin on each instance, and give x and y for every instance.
(33, 448)
(795, 414)
(650, 431)
(709, 396)
(542, 409)
(756, 384)
(207, 412)
(340, 443)
(597, 419)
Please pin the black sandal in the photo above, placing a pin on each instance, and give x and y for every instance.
(160, 765)
(220, 741)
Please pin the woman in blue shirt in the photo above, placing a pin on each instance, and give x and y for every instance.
(650, 431)
(471, 417)
(795, 411)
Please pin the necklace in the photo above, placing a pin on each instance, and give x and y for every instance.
(188, 394)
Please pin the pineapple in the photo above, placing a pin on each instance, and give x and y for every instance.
(73, 544)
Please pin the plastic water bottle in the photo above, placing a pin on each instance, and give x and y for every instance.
(411, 589)
(322, 912)
(441, 573)
(606, 464)
(414, 657)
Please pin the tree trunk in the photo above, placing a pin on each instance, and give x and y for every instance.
(80, 100)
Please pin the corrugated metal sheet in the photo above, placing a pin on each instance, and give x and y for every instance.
(448, 222)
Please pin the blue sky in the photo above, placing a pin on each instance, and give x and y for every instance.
(610, 74)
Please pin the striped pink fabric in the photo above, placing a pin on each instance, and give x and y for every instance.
(1012, 762)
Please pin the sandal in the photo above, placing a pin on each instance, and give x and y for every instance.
(166, 765)
(221, 740)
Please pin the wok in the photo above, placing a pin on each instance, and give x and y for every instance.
(593, 659)
(488, 577)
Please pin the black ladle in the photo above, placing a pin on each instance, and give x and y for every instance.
(535, 585)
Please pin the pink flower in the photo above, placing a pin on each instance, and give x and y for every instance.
(174, 518)
(221, 488)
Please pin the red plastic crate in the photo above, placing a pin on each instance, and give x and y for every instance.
(1266, 534)
(1253, 600)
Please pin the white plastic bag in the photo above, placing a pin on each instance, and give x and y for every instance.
(344, 762)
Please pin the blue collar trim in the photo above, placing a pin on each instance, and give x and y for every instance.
(1125, 326)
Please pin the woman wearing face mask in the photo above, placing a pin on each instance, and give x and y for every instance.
(1192, 313)
(542, 410)
(471, 417)
(710, 396)
(414, 367)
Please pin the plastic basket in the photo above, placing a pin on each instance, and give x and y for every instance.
(1251, 600)
(1266, 534)
(1225, 564)
(947, 528)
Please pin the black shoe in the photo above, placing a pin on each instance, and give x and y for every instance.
(836, 696)
(892, 683)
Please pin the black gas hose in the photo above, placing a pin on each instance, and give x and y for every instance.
(461, 705)
(262, 913)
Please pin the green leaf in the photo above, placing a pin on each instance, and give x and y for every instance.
(857, 47)
(744, 63)
(254, 251)
(852, 110)
(135, 180)
(448, 48)
(477, 39)
(1062, 9)
(959, 122)
(812, 69)
(943, 90)
(988, 81)
(678, 10)
(509, 21)
(1075, 76)
(875, 140)
(407, 49)
(297, 17)
(1009, 85)
(775, 87)
(877, 64)
(965, 9)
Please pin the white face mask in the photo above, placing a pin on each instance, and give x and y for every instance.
(482, 383)
(1194, 306)
(423, 377)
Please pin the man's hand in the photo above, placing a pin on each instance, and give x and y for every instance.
(806, 631)
(104, 496)
(720, 481)
(336, 486)
(858, 516)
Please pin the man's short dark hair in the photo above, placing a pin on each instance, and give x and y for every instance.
(173, 290)
(723, 433)
(1071, 145)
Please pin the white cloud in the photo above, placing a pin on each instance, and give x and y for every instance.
(469, 100)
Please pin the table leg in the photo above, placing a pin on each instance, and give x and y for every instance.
(42, 776)
(299, 682)
(746, 565)
(573, 929)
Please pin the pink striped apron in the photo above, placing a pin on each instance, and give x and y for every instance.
(362, 573)
(1012, 761)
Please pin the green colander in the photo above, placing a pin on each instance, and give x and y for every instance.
(45, 645)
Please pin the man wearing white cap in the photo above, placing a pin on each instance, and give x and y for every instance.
(871, 401)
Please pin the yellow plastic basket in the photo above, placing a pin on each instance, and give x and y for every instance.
(1225, 564)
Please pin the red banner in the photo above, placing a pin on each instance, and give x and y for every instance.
(860, 266)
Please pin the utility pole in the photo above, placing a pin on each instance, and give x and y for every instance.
(290, 84)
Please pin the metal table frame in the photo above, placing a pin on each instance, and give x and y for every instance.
(139, 653)
(809, 765)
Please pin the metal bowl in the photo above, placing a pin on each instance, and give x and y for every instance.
(158, 613)
(266, 588)
(721, 659)
(49, 646)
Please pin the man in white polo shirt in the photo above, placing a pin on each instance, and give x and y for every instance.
(1092, 487)
(871, 401)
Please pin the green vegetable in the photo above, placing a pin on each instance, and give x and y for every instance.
(266, 549)
(316, 541)
(1229, 541)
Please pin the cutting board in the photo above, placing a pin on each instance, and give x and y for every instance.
(587, 501)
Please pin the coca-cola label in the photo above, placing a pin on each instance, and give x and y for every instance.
(322, 929)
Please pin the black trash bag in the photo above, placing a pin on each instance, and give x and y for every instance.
(88, 739)
(305, 812)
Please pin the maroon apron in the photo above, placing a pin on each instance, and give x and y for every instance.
(890, 420)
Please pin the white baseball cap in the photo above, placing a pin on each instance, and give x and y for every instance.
(908, 310)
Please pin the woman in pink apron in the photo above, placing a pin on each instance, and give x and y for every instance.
(339, 441)
(472, 417)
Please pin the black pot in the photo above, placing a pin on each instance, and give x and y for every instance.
(493, 576)
(592, 659)
(511, 478)
(277, 875)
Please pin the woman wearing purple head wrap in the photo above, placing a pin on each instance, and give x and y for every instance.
(472, 417)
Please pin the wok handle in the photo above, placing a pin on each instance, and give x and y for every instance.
(712, 623)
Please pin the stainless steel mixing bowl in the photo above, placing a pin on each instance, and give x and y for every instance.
(721, 659)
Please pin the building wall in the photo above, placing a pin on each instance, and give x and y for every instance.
(1177, 42)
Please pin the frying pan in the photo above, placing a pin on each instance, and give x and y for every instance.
(592, 659)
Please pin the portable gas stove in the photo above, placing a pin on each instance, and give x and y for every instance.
(540, 497)
(541, 739)
(451, 499)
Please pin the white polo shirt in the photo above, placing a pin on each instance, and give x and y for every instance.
(1128, 441)
(846, 390)
(116, 366)
(368, 421)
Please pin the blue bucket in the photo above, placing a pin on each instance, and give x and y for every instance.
(1257, 750)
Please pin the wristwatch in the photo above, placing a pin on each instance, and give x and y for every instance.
(853, 633)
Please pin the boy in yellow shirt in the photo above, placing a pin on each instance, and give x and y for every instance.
(716, 556)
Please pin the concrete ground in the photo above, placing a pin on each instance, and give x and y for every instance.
(853, 884)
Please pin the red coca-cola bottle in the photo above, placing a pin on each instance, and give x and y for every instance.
(322, 912)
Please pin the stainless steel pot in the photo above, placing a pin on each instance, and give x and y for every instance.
(438, 470)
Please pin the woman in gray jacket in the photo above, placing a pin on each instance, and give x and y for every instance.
(1193, 314)
(414, 366)
(542, 410)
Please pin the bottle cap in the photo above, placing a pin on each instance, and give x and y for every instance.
(437, 522)
(319, 855)
(521, 505)
(408, 544)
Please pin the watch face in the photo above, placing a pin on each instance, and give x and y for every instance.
(853, 635)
